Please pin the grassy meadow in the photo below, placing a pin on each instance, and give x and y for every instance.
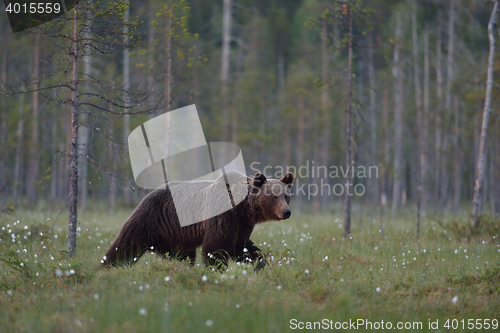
(313, 274)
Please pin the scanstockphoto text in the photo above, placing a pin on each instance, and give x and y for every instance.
(312, 179)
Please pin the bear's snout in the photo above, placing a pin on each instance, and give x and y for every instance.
(286, 214)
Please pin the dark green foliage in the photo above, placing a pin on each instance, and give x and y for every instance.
(488, 226)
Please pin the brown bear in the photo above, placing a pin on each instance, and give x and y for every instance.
(154, 225)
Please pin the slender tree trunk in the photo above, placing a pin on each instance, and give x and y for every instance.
(496, 174)
(456, 158)
(300, 140)
(437, 115)
(325, 107)
(281, 102)
(112, 180)
(112, 189)
(287, 142)
(476, 203)
(54, 165)
(398, 121)
(73, 154)
(418, 105)
(448, 96)
(126, 86)
(287, 139)
(83, 131)
(475, 145)
(321, 150)
(234, 124)
(262, 132)
(313, 124)
(168, 76)
(362, 102)
(349, 138)
(425, 123)
(491, 181)
(451, 50)
(151, 46)
(374, 183)
(224, 73)
(34, 147)
(3, 120)
(385, 179)
(63, 169)
(168, 85)
(19, 144)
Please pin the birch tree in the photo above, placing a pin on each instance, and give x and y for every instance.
(398, 118)
(84, 132)
(35, 145)
(3, 117)
(481, 160)
(438, 109)
(349, 136)
(352, 17)
(19, 144)
(224, 73)
(100, 100)
(420, 116)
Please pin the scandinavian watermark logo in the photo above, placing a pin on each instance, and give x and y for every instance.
(205, 179)
(27, 14)
(322, 180)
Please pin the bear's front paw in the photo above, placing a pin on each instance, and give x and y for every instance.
(262, 263)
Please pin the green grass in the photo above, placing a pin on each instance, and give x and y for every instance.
(417, 280)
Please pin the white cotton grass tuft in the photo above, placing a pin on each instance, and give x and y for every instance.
(96, 296)
(143, 311)
(209, 322)
(204, 278)
(278, 287)
(454, 300)
(167, 278)
(70, 272)
(378, 289)
(59, 272)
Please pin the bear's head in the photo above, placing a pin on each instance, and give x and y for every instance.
(272, 196)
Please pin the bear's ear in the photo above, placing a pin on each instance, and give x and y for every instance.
(287, 179)
(259, 179)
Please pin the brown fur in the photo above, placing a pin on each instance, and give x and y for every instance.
(154, 226)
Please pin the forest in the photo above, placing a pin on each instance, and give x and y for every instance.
(385, 111)
(271, 76)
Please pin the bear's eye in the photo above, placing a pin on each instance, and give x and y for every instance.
(275, 198)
